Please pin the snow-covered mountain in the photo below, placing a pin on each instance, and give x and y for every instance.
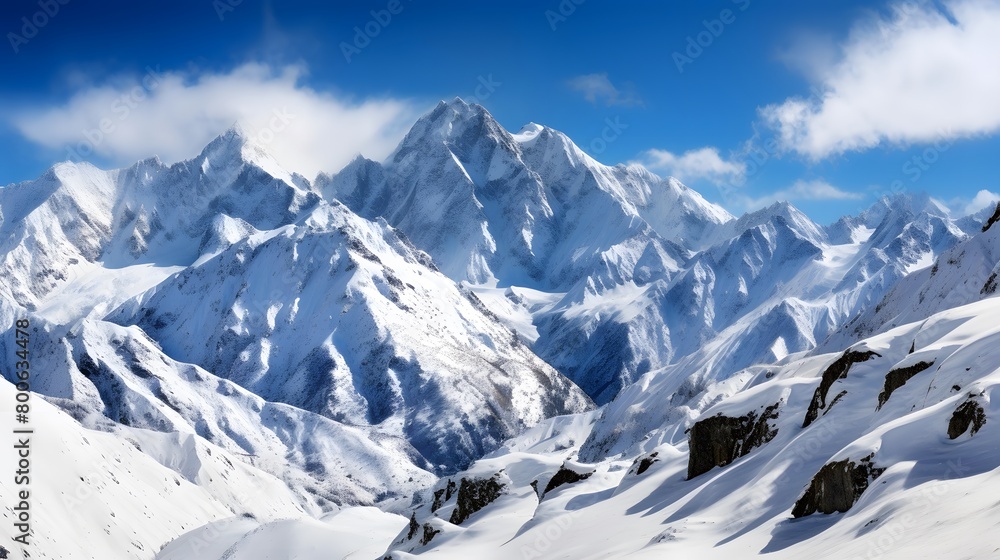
(612, 272)
(430, 334)
(531, 210)
(881, 448)
(221, 303)
(342, 317)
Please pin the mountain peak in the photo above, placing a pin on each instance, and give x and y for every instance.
(238, 146)
(233, 138)
(780, 210)
(915, 203)
(454, 122)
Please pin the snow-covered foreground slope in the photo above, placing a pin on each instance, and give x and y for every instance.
(919, 411)
(125, 492)
(886, 449)
(360, 533)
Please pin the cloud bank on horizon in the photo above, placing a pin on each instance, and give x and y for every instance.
(174, 114)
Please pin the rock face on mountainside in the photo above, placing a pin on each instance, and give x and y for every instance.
(898, 377)
(837, 486)
(968, 417)
(992, 219)
(566, 475)
(719, 440)
(837, 370)
(473, 495)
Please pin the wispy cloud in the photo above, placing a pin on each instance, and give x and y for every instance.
(597, 88)
(966, 207)
(693, 165)
(174, 114)
(799, 191)
(926, 73)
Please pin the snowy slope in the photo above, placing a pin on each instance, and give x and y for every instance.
(924, 471)
(124, 494)
(931, 480)
(108, 377)
(963, 274)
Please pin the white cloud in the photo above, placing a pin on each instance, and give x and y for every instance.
(966, 207)
(702, 163)
(598, 88)
(919, 76)
(799, 191)
(739, 202)
(174, 115)
(808, 53)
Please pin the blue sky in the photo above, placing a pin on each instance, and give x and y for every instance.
(828, 104)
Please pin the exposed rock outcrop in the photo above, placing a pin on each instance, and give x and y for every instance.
(968, 417)
(990, 287)
(837, 370)
(719, 440)
(642, 464)
(474, 494)
(993, 219)
(837, 487)
(897, 378)
(442, 495)
(565, 476)
(429, 533)
(413, 527)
